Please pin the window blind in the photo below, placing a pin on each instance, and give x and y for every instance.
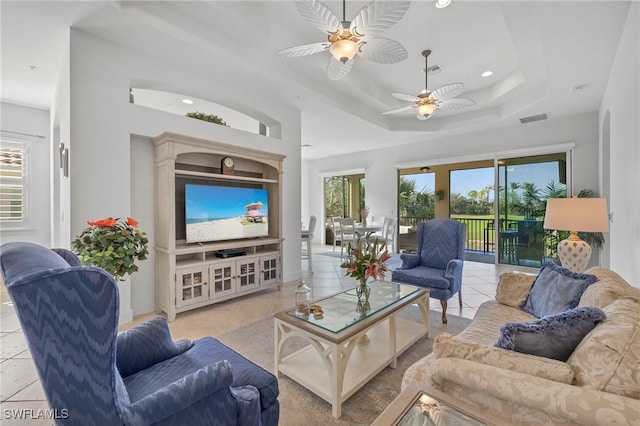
(12, 181)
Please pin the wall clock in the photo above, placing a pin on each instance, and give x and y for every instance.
(227, 166)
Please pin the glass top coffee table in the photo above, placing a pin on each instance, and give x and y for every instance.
(348, 347)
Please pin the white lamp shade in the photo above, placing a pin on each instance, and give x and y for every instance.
(577, 214)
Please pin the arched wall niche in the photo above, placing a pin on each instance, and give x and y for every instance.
(180, 102)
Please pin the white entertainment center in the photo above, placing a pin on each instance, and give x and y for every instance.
(191, 275)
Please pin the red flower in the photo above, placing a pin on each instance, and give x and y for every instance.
(132, 222)
(91, 223)
(109, 222)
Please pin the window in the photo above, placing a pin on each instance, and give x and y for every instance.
(336, 196)
(12, 182)
(344, 196)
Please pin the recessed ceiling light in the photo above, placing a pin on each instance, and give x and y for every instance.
(487, 73)
(441, 4)
(187, 101)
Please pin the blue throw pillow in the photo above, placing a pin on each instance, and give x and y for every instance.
(555, 336)
(146, 344)
(556, 289)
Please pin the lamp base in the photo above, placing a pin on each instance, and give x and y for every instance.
(574, 254)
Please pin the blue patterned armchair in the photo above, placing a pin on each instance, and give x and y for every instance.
(93, 376)
(438, 261)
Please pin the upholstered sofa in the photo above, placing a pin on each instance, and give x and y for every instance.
(599, 384)
(91, 375)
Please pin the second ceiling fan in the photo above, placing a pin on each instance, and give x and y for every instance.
(426, 103)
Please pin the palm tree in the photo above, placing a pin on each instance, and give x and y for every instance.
(531, 206)
(554, 190)
(513, 195)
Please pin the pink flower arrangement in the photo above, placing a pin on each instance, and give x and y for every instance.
(366, 261)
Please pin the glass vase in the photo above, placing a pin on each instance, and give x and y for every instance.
(363, 290)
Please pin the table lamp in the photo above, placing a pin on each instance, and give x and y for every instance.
(576, 215)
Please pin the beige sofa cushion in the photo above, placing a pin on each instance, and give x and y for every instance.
(609, 287)
(513, 288)
(447, 346)
(607, 359)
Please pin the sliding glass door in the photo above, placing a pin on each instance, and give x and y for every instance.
(525, 184)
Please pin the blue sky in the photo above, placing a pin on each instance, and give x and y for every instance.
(216, 202)
(464, 181)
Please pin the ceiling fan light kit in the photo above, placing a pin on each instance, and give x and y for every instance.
(426, 103)
(346, 39)
(344, 49)
(426, 108)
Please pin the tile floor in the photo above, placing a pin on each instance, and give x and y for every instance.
(20, 387)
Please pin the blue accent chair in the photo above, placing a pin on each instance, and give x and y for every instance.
(92, 375)
(438, 261)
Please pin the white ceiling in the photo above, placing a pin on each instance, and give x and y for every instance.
(539, 52)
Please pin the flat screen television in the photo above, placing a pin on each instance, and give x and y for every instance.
(215, 213)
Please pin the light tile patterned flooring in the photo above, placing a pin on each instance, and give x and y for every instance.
(20, 387)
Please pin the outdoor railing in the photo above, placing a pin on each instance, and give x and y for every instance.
(480, 232)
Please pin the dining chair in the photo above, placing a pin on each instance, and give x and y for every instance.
(388, 234)
(335, 229)
(346, 234)
(307, 237)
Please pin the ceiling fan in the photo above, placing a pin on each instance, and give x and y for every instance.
(443, 98)
(345, 38)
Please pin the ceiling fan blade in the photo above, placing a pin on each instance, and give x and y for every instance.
(393, 111)
(405, 97)
(456, 104)
(383, 51)
(448, 91)
(377, 17)
(336, 69)
(318, 15)
(303, 50)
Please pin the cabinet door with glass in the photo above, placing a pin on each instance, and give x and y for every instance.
(191, 286)
(247, 270)
(269, 266)
(222, 277)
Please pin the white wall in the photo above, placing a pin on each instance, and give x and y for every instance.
(111, 170)
(381, 166)
(61, 125)
(621, 102)
(31, 121)
(142, 201)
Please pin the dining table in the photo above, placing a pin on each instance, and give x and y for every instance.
(366, 230)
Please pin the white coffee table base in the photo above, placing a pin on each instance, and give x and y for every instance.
(315, 366)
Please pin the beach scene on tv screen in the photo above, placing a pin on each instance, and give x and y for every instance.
(216, 213)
